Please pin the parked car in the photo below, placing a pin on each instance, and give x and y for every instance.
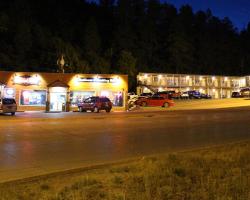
(132, 95)
(184, 95)
(155, 101)
(164, 94)
(193, 94)
(206, 96)
(169, 94)
(95, 104)
(146, 94)
(245, 92)
(236, 95)
(8, 105)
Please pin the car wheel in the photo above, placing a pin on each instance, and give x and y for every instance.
(165, 105)
(96, 110)
(144, 103)
(13, 113)
(108, 110)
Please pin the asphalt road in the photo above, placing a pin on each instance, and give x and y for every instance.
(38, 143)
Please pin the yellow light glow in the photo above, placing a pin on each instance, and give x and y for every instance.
(76, 81)
(213, 78)
(200, 78)
(225, 78)
(117, 80)
(213, 90)
(187, 77)
(160, 89)
(160, 76)
(145, 76)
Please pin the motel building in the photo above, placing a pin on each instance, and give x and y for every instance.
(61, 92)
(216, 86)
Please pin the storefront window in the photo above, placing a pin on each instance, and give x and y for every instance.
(33, 97)
(79, 96)
(9, 93)
(115, 97)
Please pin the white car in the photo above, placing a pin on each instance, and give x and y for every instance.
(8, 105)
(184, 95)
(132, 95)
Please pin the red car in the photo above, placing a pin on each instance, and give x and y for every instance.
(155, 101)
(95, 104)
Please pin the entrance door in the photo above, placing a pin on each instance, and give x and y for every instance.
(58, 96)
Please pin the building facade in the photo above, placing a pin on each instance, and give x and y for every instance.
(216, 86)
(57, 92)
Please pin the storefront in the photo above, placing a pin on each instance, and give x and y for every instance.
(56, 92)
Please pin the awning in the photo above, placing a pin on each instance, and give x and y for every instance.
(1, 83)
(58, 83)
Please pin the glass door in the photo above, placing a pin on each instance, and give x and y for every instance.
(58, 98)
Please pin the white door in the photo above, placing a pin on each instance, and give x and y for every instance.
(58, 96)
(57, 101)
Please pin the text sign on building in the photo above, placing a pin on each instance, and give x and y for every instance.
(98, 80)
(26, 80)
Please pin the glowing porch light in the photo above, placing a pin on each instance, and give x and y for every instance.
(213, 78)
(187, 77)
(213, 90)
(96, 79)
(160, 76)
(76, 80)
(188, 89)
(116, 80)
(200, 78)
(225, 79)
(145, 76)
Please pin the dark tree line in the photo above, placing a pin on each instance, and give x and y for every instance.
(123, 36)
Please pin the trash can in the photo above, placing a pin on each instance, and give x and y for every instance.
(63, 107)
(47, 106)
(67, 106)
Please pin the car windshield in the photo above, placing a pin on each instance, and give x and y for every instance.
(9, 101)
(90, 100)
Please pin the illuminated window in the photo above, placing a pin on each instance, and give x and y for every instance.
(79, 96)
(115, 97)
(33, 97)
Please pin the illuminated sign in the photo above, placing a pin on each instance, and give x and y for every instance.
(9, 93)
(99, 80)
(26, 80)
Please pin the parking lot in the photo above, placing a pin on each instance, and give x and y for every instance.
(199, 104)
(196, 104)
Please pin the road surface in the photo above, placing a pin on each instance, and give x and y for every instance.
(38, 143)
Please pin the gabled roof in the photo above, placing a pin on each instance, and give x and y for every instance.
(58, 83)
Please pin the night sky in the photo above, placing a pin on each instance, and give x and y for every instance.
(237, 10)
